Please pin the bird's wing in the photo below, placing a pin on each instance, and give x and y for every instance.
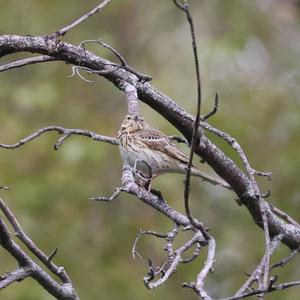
(157, 141)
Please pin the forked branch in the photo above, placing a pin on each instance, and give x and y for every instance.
(27, 267)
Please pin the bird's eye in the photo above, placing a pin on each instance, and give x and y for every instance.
(128, 117)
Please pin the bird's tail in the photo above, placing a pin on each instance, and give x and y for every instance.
(197, 173)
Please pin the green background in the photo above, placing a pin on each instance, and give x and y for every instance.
(249, 53)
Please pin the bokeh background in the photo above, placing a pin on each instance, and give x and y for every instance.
(249, 53)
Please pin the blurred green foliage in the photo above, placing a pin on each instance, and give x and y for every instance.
(249, 53)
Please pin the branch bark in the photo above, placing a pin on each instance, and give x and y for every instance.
(171, 111)
(29, 268)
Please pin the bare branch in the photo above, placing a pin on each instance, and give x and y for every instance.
(64, 30)
(174, 257)
(196, 133)
(215, 109)
(132, 99)
(194, 256)
(208, 267)
(265, 281)
(142, 77)
(114, 195)
(134, 252)
(17, 275)
(66, 133)
(284, 215)
(60, 291)
(76, 70)
(236, 146)
(19, 232)
(150, 198)
(259, 270)
(27, 61)
(103, 44)
(273, 288)
(285, 260)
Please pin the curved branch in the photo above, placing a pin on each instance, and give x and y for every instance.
(64, 30)
(64, 291)
(19, 232)
(171, 111)
(11, 277)
(26, 61)
(66, 133)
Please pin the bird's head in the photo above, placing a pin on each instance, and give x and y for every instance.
(133, 123)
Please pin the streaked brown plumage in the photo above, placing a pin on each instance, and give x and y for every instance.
(152, 153)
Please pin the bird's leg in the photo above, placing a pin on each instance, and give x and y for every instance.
(141, 178)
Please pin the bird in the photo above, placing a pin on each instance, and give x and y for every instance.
(151, 153)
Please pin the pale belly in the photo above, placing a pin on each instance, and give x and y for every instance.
(146, 160)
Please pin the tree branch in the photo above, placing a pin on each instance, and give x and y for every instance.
(222, 164)
(26, 61)
(64, 30)
(19, 232)
(133, 84)
(60, 291)
(65, 132)
(11, 277)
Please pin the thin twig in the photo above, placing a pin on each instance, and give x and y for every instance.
(59, 271)
(285, 260)
(187, 187)
(170, 240)
(284, 215)
(267, 245)
(174, 260)
(76, 69)
(208, 264)
(17, 275)
(64, 30)
(142, 77)
(236, 146)
(215, 109)
(273, 288)
(113, 196)
(134, 252)
(27, 61)
(66, 132)
(58, 290)
(194, 255)
(256, 274)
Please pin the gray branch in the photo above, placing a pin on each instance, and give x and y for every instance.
(175, 114)
(65, 134)
(29, 268)
(26, 61)
(64, 30)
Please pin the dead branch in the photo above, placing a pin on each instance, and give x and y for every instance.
(27, 267)
(64, 30)
(135, 87)
(21, 235)
(65, 132)
(285, 260)
(124, 65)
(270, 289)
(258, 274)
(15, 276)
(26, 61)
